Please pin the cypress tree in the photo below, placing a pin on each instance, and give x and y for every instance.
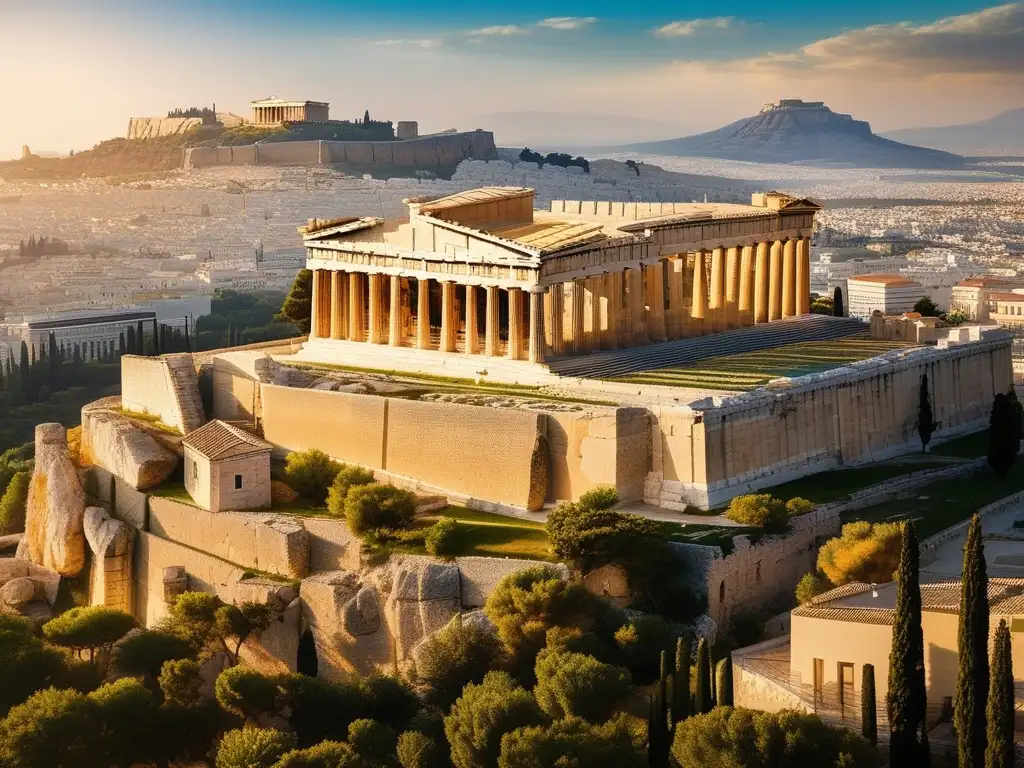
(54, 359)
(25, 371)
(681, 682)
(868, 705)
(132, 349)
(157, 347)
(121, 348)
(663, 687)
(1003, 435)
(837, 303)
(702, 698)
(906, 697)
(925, 419)
(140, 339)
(188, 344)
(658, 743)
(723, 684)
(1000, 710)
(972, 645)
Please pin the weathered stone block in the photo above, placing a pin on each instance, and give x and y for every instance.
(361, 614)
(17, 592)
(116, 443)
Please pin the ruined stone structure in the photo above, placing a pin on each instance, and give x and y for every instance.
(274, 111)
(481, 273)
(165, 387)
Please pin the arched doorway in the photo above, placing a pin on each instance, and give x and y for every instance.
(307, 663)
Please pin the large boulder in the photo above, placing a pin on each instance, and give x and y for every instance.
(424, 596)
(124, 447)
(54, 537)
(107, 537)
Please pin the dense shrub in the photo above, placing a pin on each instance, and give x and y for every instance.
(373, 741)
(799, 506)
(326, 754)
(442, 538)
(245, 692)
(388, 700)
(483, 714)
(52, 728)
(368, 507)
(320, 710)
(144, 653)
(457, 655)
(349, 476)
(13, 504)
(91, 628)
(27, 664)
(601, 497)
(762, 510)
(589, 538)
(641, 642)
(253, 748)
(311, 473)
(132, 731)
(867, 552)
(810, 586)
(728, 737)
(417, 750)
(574, 742)
(181, 683)
(574, 684)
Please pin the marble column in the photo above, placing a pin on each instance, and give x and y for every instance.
(553, 301)
(676, 322)
(789, 278)
(591, 306)
(732, 287)
(536, 351)
(314, 320)
(716, 294)
(423, 313)
(449, 317)
(613, 305)
(472, 335)
(699, 304)
(395, 329)
(356, 307)
(492, 338)
(803, 276)
(656, 300)
(339, 312)
(637, 312)
(746, 302)
(376, 323)
(761, 283)
(577, 309)
(515, 324)
(775, 281)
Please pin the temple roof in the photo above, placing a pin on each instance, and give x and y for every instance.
(549, 235)
(319, 229)
(475, 196)
(217, 440)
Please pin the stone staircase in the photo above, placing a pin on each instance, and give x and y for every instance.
(185, 383)
(605, 365)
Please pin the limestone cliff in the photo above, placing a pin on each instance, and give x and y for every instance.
(127, 448)
(54, 536)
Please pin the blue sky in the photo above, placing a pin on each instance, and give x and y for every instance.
(689, 66)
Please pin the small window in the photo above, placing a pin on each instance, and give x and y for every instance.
(758, 572)
(238, 482)
(195, 471)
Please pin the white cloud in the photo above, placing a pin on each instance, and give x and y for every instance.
(432, 42)
(501, 30)
(693, 26)
(567, 22)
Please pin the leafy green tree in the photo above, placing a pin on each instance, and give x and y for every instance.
(247, 693)
(131, 728)
(234, 624)
(761, 510)
(53, 728)
(642, 641)
(574, 684)
(573, 742)
(723, 682)
(452, 658)
(143, 654)
(702, 698)
(253, 748)
(443, 539)
(418, 750)
(925, 419)
(28, 664)
(371, 507)
(589, 537)
(181, 683)
(388, 700)
(91, 628)
(320, 710)
(373, 741)
(1003, 435)
(810, 586)
(209, 625)
(926, 307)
(298, 306)
(681, 681)
(326, 754)
(311, 473)
(868, 705)
(972, 646)
(999, 752)
(734, 737)
(866, 552)
(837, 303)
(349, 476)
(906, 695)
(14, 503)
(483, 714)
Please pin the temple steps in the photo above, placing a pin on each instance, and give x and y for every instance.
(612, 363)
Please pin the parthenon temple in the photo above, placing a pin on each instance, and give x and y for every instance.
(273, 111)
(481, 273)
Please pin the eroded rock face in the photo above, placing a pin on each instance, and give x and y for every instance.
(107, 537)
(17, 592)
(122, 447)
(54, 536)
(424, 597)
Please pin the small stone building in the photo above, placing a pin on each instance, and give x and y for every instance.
(227, 468)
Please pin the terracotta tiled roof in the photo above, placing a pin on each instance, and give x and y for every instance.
(847, 590)
(1006, 296)
(857, 615)
(890, 280)
(982, 282)
(217, 440)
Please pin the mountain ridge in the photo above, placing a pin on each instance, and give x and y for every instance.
(999, 135)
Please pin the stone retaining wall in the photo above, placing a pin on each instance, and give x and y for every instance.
(165, 387)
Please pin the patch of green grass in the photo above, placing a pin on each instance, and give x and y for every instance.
(749, 370)
(174, 491)
(151, 419)
(708, 535)
(838, 484)
(491, 535)
(944, 503)
(970, 446)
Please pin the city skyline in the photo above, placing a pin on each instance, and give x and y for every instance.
(672, 64)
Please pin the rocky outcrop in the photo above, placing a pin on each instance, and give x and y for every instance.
(123, 447)
(54, 537)
(424, 597)
(112, 543)
(27, 588)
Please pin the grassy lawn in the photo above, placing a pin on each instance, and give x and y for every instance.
(749, 370)
(486, 534)
(946, 502)
(838, 484)
(967, 447)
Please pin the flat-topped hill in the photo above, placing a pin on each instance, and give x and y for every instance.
(795, 131)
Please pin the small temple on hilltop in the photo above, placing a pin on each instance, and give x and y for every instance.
(481, 274)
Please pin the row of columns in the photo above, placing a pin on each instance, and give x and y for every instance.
(351, 306)
(706, 291)
(264, 115)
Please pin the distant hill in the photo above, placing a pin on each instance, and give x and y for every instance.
(803, 133)
(570, 131)
(1000, 135)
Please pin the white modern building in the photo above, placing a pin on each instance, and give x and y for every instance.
(96, 333)
(889, 294)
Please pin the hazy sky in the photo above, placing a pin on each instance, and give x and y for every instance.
(74, 71)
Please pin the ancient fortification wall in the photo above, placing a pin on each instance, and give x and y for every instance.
(713, 450)
(165, 387)
(491, 454)
(433, 150)
(153, 127)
